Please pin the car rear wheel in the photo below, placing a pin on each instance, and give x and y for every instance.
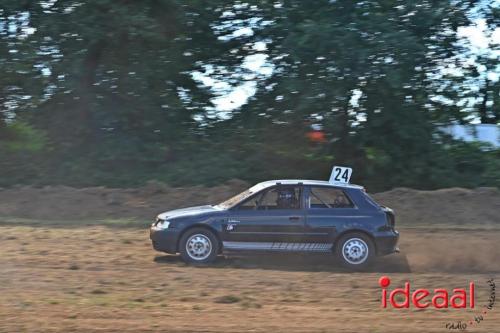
(199, 246)
(355, 251)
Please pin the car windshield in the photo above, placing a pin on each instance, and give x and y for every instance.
(240, 197)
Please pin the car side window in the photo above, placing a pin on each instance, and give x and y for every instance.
(328, 197)
(251, 203)
(281, 197)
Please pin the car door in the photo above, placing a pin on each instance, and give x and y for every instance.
(267, 220)
(328, 210)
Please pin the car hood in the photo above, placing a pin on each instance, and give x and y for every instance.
(190, 211)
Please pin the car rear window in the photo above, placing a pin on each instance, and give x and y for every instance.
(370, 200)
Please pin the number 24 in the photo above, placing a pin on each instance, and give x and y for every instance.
(344, 177)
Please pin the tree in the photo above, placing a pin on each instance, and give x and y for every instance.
(123, 92)
(360, 70)
(468, 81)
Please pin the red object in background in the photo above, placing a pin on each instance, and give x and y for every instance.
(316, 136)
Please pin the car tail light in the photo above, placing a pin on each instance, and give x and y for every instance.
(391, 220)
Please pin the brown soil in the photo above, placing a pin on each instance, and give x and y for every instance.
(455, 205)
(62, 202)
(68, 277)
(90, 279)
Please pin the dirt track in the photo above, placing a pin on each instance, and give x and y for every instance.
(102, 279)
(59, 275)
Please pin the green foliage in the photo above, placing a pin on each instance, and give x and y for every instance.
(22, 137)
(95, 94)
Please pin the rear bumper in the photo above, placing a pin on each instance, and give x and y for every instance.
(387, 242)
(164, 240)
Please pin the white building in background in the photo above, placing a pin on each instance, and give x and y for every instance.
(480, 132)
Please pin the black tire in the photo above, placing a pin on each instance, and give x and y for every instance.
(192, 246)
(356, 259)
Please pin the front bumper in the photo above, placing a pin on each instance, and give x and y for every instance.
(387, 242)
(164, 240)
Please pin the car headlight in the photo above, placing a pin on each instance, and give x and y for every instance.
(162, 225)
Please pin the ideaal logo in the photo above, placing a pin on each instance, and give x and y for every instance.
(440, 298)
(420, 297)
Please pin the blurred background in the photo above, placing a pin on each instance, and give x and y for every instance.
(112, 111)
(118, 93)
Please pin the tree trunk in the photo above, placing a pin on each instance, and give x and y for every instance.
(483, 107)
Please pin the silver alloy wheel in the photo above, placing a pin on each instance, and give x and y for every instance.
(355, 251)
(198, 247)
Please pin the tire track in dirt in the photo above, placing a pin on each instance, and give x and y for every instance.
(452, 251)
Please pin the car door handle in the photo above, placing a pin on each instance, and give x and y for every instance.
(294, 218)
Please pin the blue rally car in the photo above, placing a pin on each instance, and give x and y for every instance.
(282, 215)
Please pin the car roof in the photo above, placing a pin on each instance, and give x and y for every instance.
(306, 182)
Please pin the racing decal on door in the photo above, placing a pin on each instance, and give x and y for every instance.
(278, 246)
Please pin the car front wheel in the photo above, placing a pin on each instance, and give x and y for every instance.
(199, 246)
(355, 251)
